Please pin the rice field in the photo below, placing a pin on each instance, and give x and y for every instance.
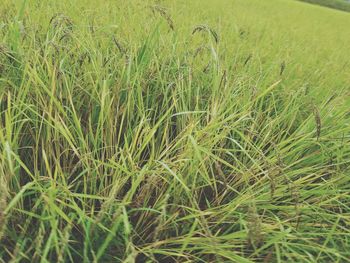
(174, 131)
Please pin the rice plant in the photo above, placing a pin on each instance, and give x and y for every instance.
(174, 131)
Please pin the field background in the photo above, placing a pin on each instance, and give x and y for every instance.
(174, 131)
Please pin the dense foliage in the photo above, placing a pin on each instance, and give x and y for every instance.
(174, 131)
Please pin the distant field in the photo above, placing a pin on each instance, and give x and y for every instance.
(174, 131)
(336, 4)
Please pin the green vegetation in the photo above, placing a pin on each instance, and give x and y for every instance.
(336, 4)
(174, 131)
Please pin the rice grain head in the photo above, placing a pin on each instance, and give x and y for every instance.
(163, 13)
(318, 121)
(205, 28)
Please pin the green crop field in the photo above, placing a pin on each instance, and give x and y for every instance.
(174, 131)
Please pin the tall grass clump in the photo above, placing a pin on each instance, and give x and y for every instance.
(173, 131)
